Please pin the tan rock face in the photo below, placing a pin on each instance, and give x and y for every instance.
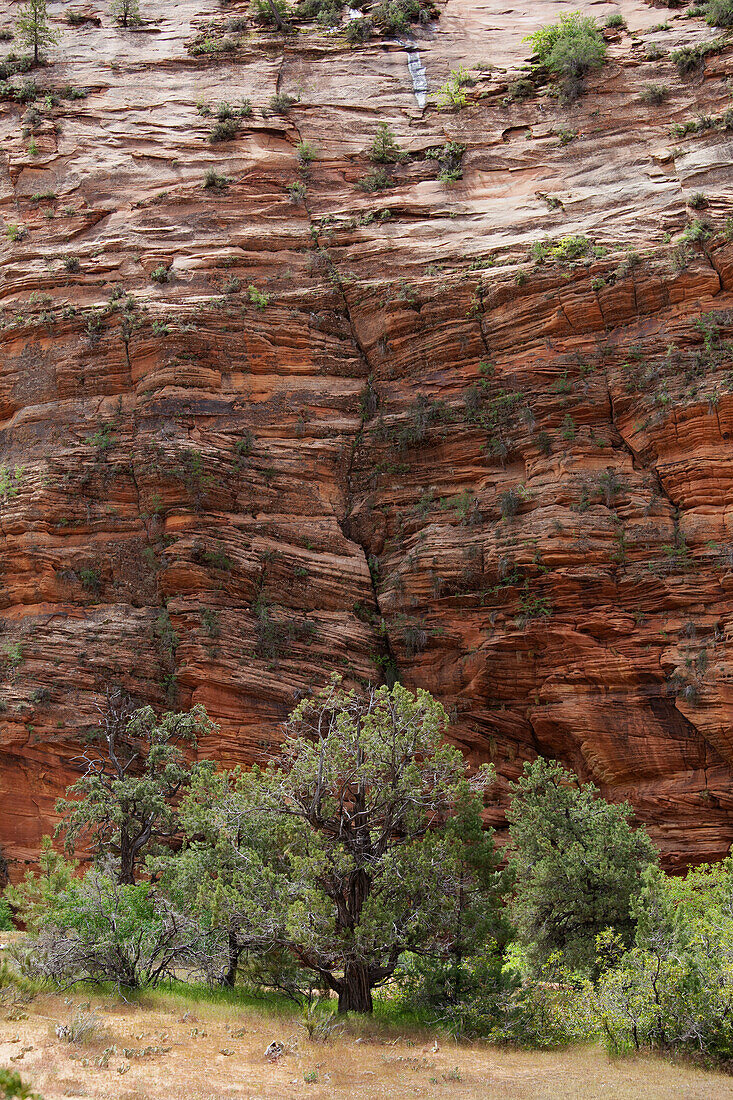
(251, 435)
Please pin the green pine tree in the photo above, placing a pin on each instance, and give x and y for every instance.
(34, 28)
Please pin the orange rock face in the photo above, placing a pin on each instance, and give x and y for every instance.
(476, 432)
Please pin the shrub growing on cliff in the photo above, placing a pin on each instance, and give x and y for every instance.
(720, 13)
(384, 149)
(358, 30)
(339, 853)
(569, 48)
(578, 864)
(393, 17)
(215, 181)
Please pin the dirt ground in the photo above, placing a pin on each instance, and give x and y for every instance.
(163, 1048)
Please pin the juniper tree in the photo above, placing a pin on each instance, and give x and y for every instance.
(578, 864)
(125, 803)
(340, 852)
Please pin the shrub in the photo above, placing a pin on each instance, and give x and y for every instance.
(720, 13)
(393, 17)
(262, 13)
(697, 231)
(689, 59)
(297, 192)
(376, 180)
(12, 1087)
(215, 181)
(451, 95)
(160, 274)
(654, 52)
(83, 1025)
(358, 30)
(384, 149)
(281, 103)
(258, 298)
(578, 864)
(655, 93)
(102, 931)
(6, 919)
(672, 988)
(306, 152)
(616, 21)
(224, 130)
(509, 503)
(16, 233)
(570, 47)
(449, 158)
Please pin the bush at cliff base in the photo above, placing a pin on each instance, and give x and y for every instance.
(6, 920)
(674, 988)
(670, 991)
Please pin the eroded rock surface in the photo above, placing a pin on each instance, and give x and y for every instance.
(256, 433)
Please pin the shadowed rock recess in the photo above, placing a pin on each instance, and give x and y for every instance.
(474, 432)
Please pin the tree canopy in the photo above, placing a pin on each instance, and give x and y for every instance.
(33, 27)
(125, 803)
(339, 851)
(578, 863)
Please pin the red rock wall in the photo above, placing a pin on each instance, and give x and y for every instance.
(509, 479)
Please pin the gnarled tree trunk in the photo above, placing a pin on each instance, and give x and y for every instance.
(355, 991)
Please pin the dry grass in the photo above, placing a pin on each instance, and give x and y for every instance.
(167, 1048)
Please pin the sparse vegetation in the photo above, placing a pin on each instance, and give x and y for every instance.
(376, 180)
(655, 93)
(384, 149)
(258, 298)
(126, 13)
(215, 181)
(719, 13)
(33, 27)
(306, 152)
(689, 59)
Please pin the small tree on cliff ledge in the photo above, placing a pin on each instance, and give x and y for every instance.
(33, 27)
(124, 805)
(340, 849)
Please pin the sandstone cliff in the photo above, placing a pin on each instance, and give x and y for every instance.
(476, 431)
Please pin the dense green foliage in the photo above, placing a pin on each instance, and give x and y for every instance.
(339, 853)
(126, 13)
(359, 858)
(12, 1087)
(6, 922)
(33, 898)
(578, 865)
(569, 48)
(674, 988)
(125, 804)
(720, 13)
(103, 931)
